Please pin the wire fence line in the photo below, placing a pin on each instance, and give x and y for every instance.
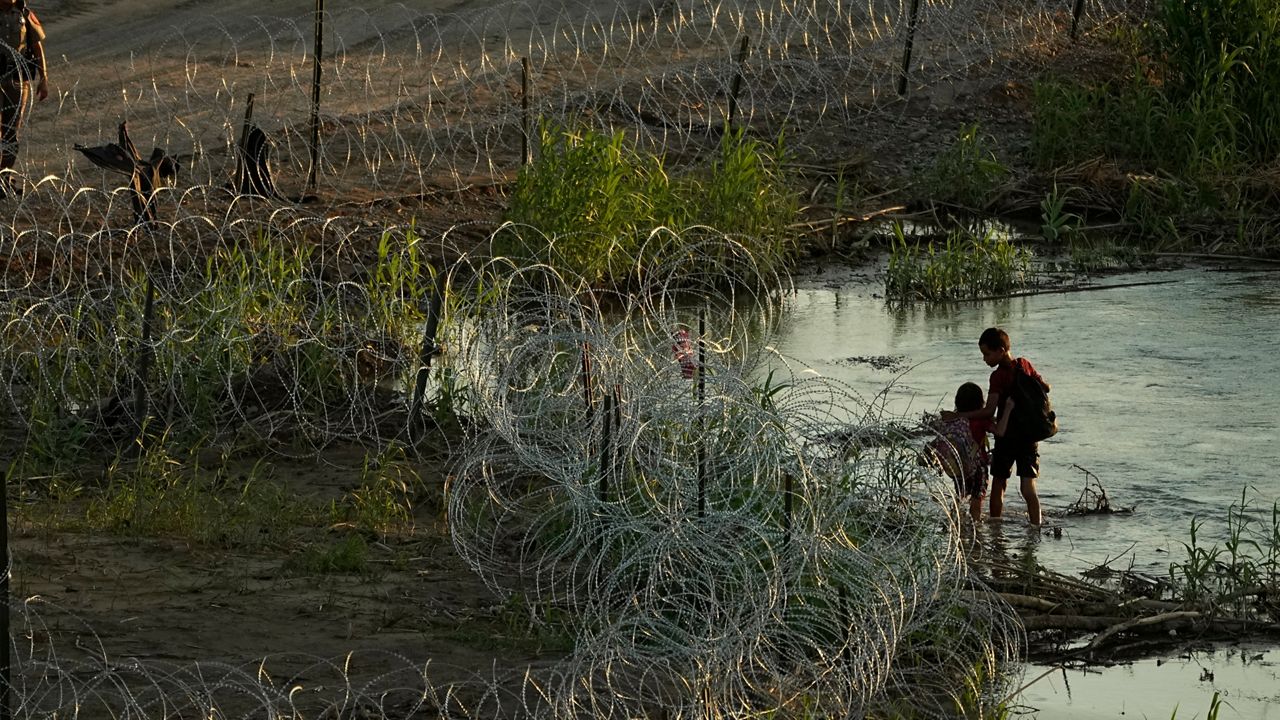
(412, 102)
(412, 98)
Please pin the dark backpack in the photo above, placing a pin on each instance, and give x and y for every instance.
(1033, 416)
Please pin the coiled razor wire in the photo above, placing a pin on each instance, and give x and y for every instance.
(726, 543)
(412, 100)
(724, 536)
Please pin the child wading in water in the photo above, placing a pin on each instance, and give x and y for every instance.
(974, 487)
(1010, 450)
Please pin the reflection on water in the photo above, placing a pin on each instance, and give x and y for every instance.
(1247, 679)
(1169, 393)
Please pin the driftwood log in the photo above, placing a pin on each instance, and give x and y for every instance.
(1075, 620)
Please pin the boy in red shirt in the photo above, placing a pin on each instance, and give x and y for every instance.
(1009, 451)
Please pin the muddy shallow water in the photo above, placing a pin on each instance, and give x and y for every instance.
(1169, 393)
(1247, 679)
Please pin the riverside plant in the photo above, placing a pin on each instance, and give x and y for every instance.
(1056, 223)
(1245, 565)
(163, 494)
(591, 203)
(967, 172)
(966, 265)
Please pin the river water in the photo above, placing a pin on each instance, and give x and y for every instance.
(1169, 393)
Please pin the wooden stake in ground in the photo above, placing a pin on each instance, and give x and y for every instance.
(1076, 12)
(429, 350)
(524, 111)
(315, 98)
(906, 47)
(144, 359)
(702, 426)
(4, 596)
(736, 86)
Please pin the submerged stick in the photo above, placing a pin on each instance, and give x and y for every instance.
(1176, 617)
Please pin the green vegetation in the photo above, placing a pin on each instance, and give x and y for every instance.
(162, 492)
(1234, 575)
(591, 205)
(967, 173)
(346, 556)
(965, 266)
(1190, 131)
(255, 328)
(1215, 706)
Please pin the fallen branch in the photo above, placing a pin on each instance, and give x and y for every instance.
(1079, 623)
(1178, 618)
(1060, 291)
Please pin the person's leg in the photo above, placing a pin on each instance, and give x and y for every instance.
(12, 105)
(1001, 468)
(997, 496)
(1028, 470)
(1033, 499)
(10, 121)
(977, 489)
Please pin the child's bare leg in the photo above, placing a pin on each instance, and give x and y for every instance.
(997, 496)
(1033, 499)
(975, 507)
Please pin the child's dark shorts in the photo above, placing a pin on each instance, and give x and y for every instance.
(1005, 455)
(975, 485)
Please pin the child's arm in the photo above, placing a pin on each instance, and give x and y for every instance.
(1003, 423)
(982, 413)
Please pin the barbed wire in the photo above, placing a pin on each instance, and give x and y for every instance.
(410, 99)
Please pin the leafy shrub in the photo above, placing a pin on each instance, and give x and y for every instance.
(591, 203)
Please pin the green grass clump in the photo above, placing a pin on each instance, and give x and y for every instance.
(257, 325)
(967, 172)
(159, 494)
(383, 503)
(591, 203)
(348, 555)
(965, 266)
